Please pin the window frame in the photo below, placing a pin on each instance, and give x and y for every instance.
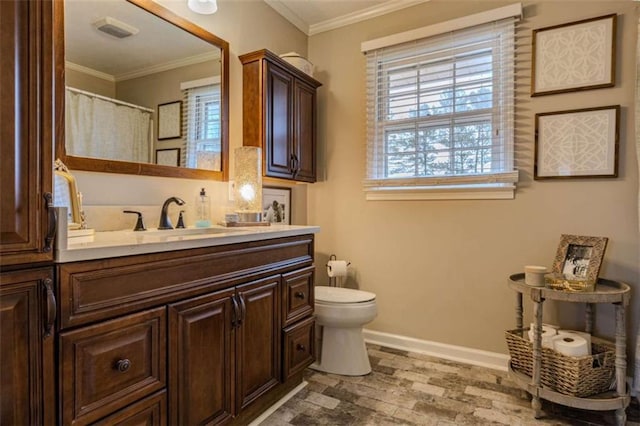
(492, 185)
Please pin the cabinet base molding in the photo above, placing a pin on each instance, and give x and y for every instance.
(269, 411)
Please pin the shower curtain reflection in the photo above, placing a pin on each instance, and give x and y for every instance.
(99, 127)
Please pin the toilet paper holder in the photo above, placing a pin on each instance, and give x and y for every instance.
(332, 280)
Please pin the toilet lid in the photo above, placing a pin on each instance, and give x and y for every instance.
(342, 295)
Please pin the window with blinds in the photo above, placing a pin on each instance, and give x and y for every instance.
(201, 116)
(440, 111)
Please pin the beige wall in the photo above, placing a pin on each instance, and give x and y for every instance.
(82, 81)
(440, 268)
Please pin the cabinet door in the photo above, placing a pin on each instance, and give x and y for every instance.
(27, 313)
(278, 146)
(304, 166)
(26, 132)
(258, 340)
(201, 355)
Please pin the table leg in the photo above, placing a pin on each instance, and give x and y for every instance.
(588, 313)
(537, 354)
(518, 310)
(621, 360)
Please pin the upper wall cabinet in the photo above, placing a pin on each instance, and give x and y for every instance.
(27, 224)
(279, 108)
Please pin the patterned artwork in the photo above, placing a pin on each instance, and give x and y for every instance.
(577, 143)
(574, 56)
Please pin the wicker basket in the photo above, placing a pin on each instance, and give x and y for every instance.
(576, 376)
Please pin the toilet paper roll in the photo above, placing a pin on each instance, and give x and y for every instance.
(547, 333)
(571, 345)
(337, 268)
(586, 336)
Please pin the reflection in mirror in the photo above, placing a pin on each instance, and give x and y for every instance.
(126, 61)
(66, 195)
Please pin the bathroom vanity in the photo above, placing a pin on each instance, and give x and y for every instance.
(173, 327)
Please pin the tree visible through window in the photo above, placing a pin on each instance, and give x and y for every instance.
(442, 106)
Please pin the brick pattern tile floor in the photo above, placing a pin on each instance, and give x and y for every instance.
(407, 388)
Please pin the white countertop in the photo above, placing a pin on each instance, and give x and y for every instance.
(107, 244)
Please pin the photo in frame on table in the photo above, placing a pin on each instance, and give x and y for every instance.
(579, 257)
(276, 204)
(574, 56)
(170, 120)
(580, 143)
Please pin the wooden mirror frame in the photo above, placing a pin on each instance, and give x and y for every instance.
(125, 167)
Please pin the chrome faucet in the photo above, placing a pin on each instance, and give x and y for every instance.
(165, 222)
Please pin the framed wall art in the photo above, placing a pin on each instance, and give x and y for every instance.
(577, 143)
(575, 56)
(170, 120)
(276, 205)
(168, 157)
(579, 257)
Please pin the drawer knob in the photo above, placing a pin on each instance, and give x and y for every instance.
(123, 365)
(300, 347)
(299, 295)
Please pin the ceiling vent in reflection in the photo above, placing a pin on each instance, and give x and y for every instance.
(115, 28)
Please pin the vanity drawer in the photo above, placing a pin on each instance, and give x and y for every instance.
(299, 351)
(151, 411)
(107, 366)
(297, 298)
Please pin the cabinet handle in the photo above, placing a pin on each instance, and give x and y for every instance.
(123, 365)
(296, 165)
(299, 295)
(243, 310)
(53, 223)
(236, 312)
(300, 347)
(50, 309)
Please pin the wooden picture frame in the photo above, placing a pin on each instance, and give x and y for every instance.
(168, 157)
(276, 204)
(169, 120)
(578, 55)
(580, 143)
(579, 257)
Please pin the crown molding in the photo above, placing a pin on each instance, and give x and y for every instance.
(89, 71)
(283, 10)
(168, 66)
(362, 15)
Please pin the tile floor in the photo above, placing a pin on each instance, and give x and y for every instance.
(406, 388)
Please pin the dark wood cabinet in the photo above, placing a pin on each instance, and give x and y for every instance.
(201, 335)
(258, 340)
(27, 221)
(279, 109)
(27, 315)
(224, 333)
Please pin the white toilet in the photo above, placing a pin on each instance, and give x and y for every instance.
(342, 312)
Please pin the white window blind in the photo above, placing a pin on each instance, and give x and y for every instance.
(440, 112)
(202, 127)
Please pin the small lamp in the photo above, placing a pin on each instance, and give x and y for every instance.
(204, 7)
(248, 186)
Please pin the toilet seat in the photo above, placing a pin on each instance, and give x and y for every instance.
(339, 295)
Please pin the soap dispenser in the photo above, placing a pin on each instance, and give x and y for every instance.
(203, 206)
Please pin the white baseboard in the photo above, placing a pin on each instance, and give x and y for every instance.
(462, 354)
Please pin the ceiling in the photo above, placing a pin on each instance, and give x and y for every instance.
(316, 16)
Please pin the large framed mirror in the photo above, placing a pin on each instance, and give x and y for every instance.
(139, 81)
